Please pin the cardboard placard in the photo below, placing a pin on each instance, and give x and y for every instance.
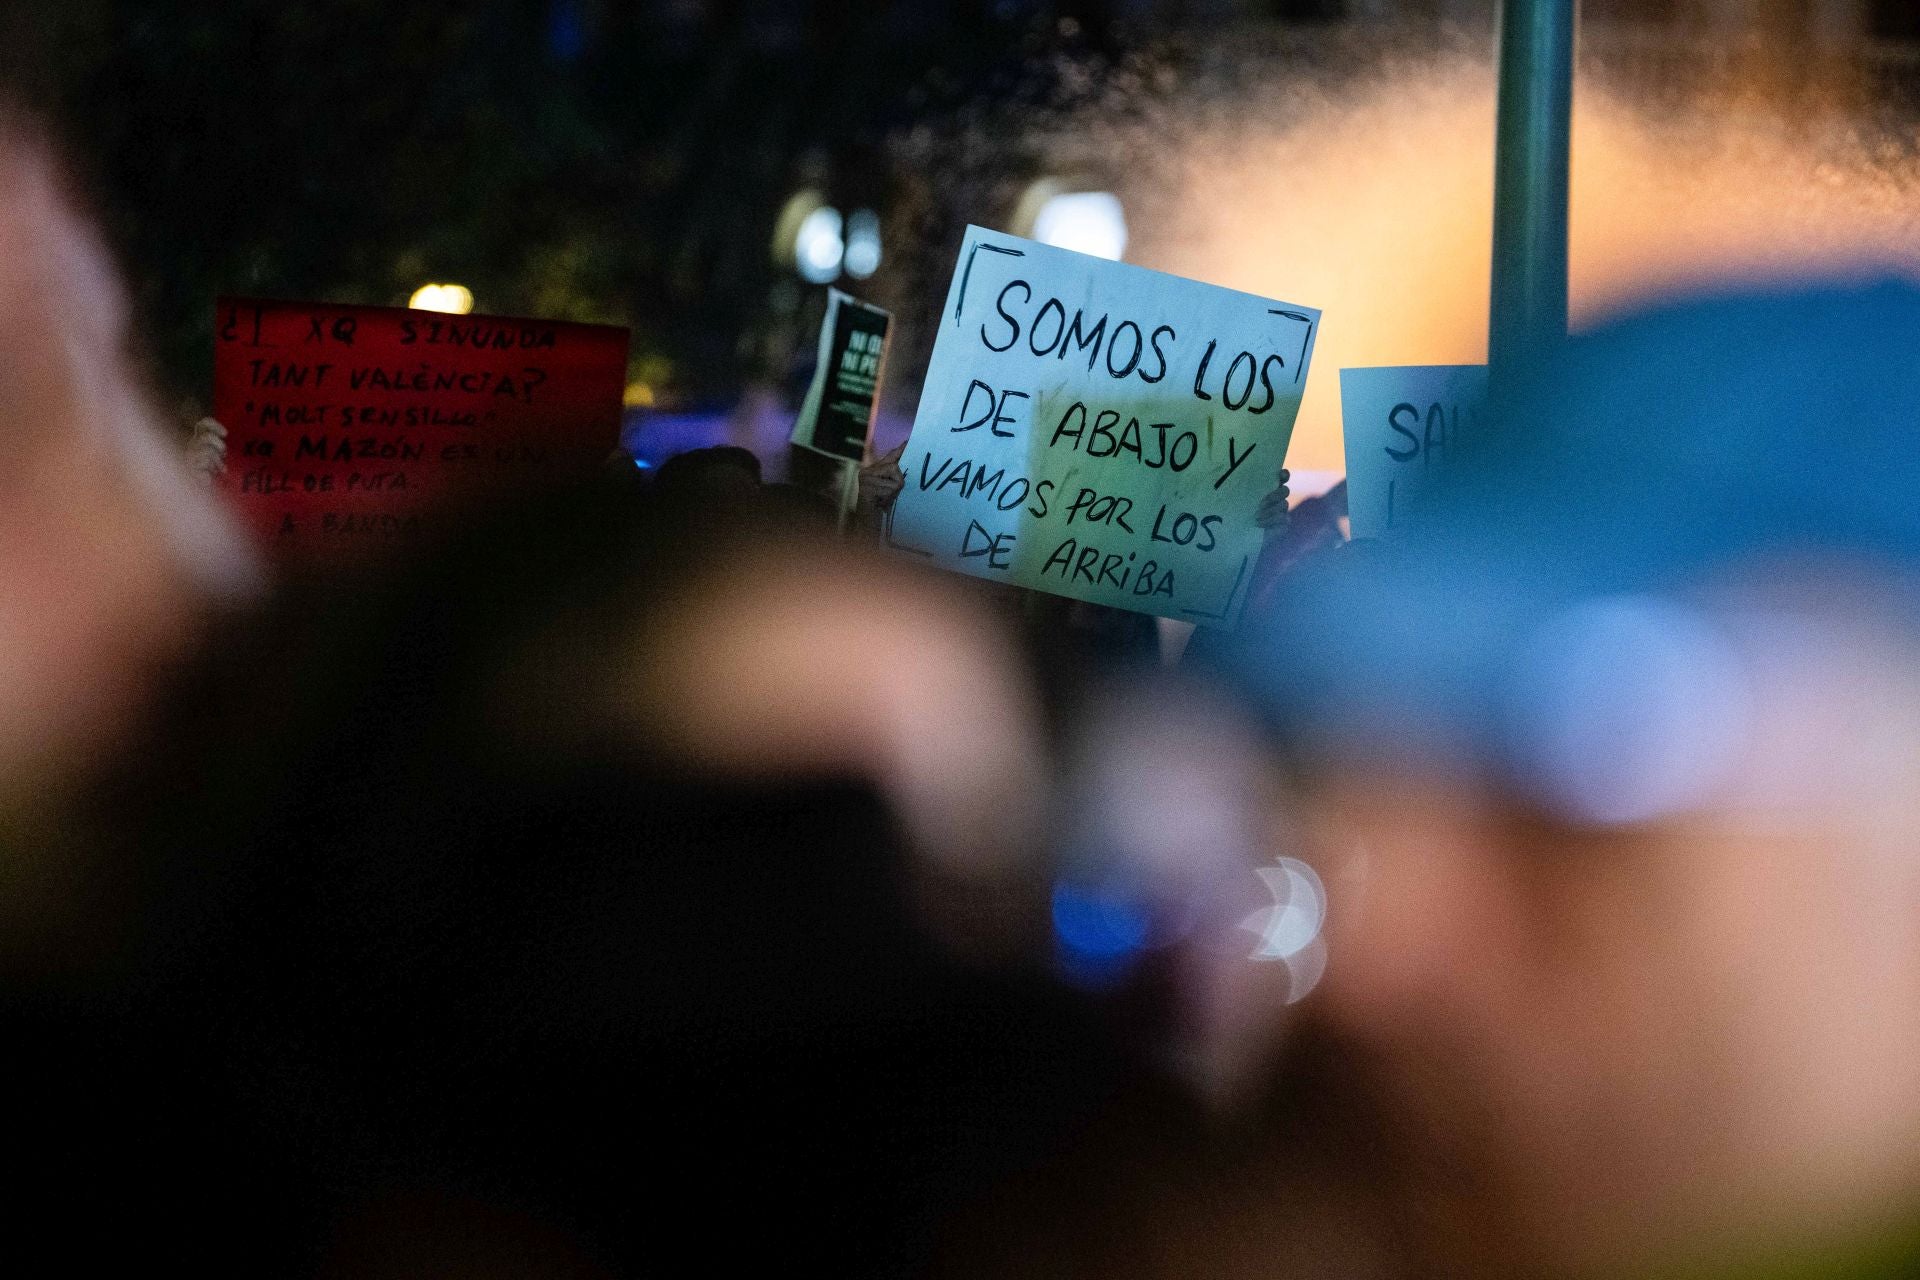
(1405, 429)
(837, 416)
(1101, 431)
(349, 428)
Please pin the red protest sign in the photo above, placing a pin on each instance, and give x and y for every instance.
(351, 427)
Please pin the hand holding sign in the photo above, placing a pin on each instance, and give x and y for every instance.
(882, 479)
(1272, 512)
(207, 449)
(1087, 429)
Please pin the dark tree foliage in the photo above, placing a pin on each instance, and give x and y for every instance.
(579, 159)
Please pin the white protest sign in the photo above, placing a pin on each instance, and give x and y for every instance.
(1405, 428)
(1099, 430)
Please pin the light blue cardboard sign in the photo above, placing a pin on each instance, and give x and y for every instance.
(1099, 430)
(1405, 428)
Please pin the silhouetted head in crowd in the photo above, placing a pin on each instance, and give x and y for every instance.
(1619, 754)
(722, 473)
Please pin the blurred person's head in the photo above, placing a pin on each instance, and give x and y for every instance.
(582, 882)
(108, 550)
(1620, 750)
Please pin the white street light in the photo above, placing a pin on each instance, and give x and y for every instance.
(863, 244)
(818, 248)
(1086, 221)
(454, 299)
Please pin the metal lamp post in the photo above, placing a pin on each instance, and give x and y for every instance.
(1532, 147)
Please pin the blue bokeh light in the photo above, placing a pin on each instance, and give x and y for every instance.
(1100, 930)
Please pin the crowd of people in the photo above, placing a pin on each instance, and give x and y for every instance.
(656, 878)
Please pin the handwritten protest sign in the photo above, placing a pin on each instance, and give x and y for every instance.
(1101, 431)
(1405, 429)
(349, 427)
(836, 418)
